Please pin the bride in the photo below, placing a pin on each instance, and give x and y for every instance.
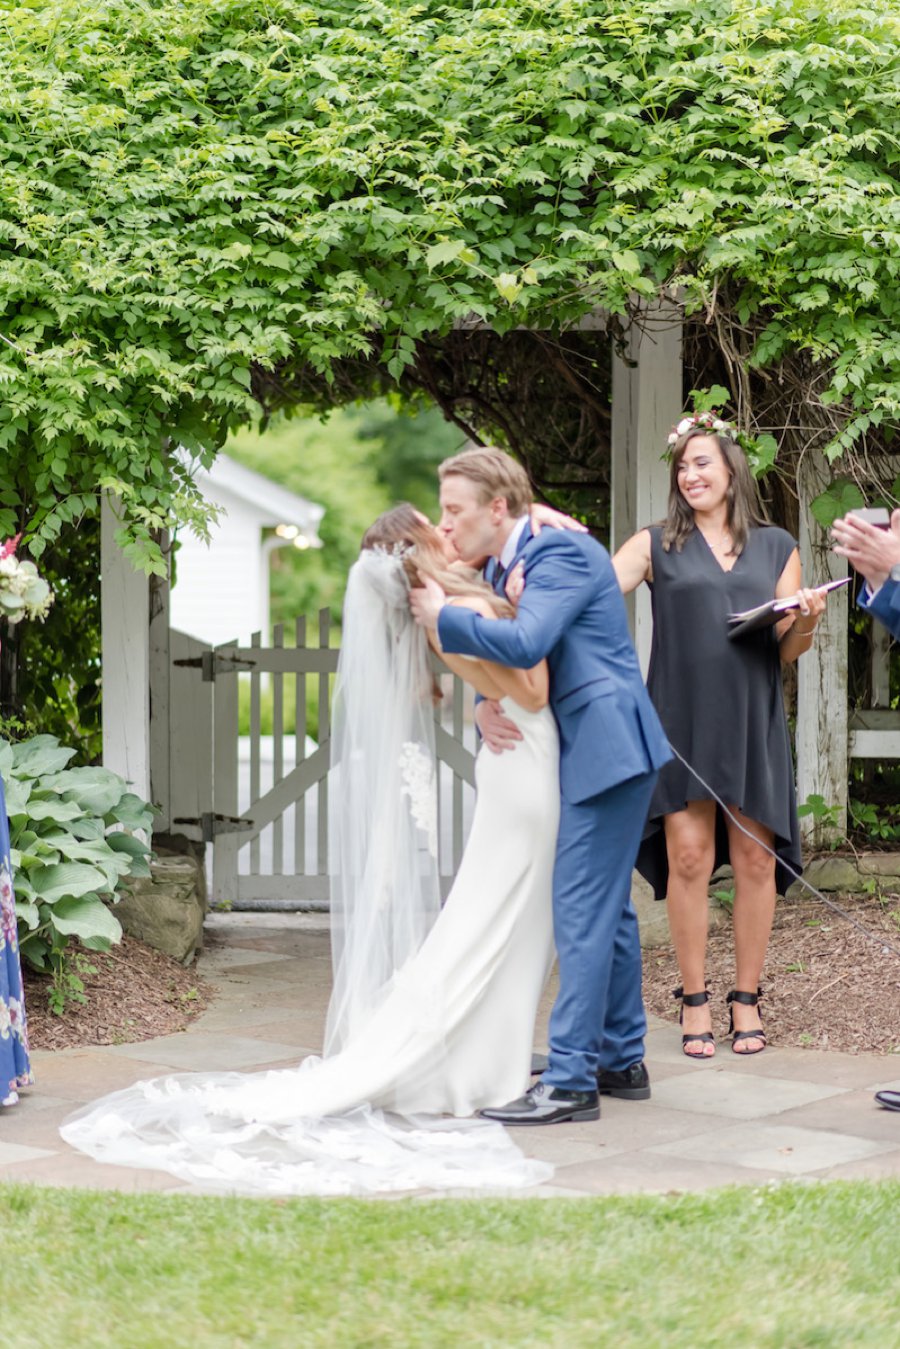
(432, 1011)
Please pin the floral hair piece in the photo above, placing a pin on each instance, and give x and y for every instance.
(709, 421)
(400, 548)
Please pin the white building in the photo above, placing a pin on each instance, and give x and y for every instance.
(221, 591)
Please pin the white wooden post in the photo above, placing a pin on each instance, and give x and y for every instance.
(646, 403)
(227, 845)
(125, 629)
(822, 731)
(189, 730)
(160, 712)
(881, 666)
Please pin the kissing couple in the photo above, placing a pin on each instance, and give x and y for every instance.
(429, 1030)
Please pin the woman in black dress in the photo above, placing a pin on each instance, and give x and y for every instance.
(720, 702)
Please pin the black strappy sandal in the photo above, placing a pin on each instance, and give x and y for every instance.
(746, 1000)
(704, 1036)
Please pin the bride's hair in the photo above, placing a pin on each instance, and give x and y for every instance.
(403, 530)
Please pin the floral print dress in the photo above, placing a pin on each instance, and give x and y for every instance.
(15, 1069)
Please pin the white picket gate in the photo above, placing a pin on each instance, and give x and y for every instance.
(260, 800)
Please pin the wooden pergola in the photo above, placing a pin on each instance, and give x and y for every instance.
(647, 397)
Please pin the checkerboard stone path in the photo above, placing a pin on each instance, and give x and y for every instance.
(785, 1114)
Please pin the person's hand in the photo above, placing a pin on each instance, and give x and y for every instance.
(812, 607)
(426, 602)
(515, 583)
(497, 731)
(872, 551)
(541, 515)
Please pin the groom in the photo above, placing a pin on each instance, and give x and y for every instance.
(611, 748)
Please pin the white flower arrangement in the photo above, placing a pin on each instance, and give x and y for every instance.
(709, 421)
(23, 593)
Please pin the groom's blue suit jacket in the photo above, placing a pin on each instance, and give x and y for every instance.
(573, 613)
(885, 605)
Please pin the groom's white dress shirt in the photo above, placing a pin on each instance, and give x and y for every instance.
(512, 543)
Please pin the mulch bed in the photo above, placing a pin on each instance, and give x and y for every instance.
(826, 985)
(136, 993)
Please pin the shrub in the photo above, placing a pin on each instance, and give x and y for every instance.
(72, 842)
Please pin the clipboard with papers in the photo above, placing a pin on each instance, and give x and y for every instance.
(765, 615)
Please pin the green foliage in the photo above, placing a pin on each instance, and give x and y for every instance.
(724, 897)
(198, 192)
(839, 497)
(816, 807)
(708, 400)
(68, 983)
(825, 817)
(356, 463)
(407, 443)
(873, 823)
(59, 660)
(71, 846)
(330, 464)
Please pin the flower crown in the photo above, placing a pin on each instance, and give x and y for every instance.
(710, 421)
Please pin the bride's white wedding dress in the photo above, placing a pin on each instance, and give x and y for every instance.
(453, 1033)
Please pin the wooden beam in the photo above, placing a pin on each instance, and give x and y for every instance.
(874, 734)
(874, 744)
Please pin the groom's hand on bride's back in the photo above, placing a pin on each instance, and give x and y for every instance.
(497, 731)
(426, 602)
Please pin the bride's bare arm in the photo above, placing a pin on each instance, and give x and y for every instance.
(529, 688)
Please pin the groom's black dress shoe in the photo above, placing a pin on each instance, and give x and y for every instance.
(631, 1084)
(889, 1099)
(547, 1105)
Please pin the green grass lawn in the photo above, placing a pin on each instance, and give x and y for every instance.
(791, 1267)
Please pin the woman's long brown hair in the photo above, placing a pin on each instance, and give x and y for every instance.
(425, 556)
(744, 509)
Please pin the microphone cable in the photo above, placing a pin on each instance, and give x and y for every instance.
(885, 945)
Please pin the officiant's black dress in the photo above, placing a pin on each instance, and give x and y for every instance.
(720, 701)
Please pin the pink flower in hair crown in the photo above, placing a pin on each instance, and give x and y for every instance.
(708, 421)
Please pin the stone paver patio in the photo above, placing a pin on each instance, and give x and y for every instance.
(785, 1114)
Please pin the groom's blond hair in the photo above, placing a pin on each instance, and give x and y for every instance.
(494, 474)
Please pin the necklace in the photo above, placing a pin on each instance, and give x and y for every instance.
(720, 543)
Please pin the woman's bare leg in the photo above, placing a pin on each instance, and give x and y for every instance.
(754, 910)
(690, 846)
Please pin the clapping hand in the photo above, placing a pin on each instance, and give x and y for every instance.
(872, 551)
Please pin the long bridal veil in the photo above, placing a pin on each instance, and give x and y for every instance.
(313, 1129)
(385, 888)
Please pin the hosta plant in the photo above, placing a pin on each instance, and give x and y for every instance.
(72, 842)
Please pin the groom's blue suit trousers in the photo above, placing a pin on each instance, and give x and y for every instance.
(598, 1018)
